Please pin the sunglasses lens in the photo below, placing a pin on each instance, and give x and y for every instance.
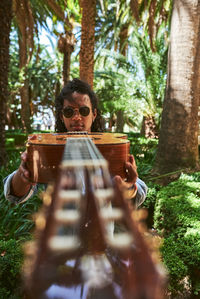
(84, 111)
(68, 112)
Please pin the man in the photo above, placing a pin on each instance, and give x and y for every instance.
(76, 110)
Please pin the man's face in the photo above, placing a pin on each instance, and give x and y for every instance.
(78, 122)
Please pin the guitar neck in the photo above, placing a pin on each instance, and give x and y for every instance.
(82, 152)
(78, 249)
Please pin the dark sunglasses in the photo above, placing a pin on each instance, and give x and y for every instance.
(69, 111)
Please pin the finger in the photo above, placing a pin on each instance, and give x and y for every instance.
(132, 160)
(24, 165)
(24, 156)
(23, 177)
(131, 173)
(23, 170)
(118, 180)
(26, 178)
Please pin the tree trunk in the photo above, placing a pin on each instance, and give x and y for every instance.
(5, 25)
(199, 124)
(66, 66)
(87, 40)
(149, 128)
(120, 121)
(24, 91)
(178, 142)
(123, 36)
(25, 109)
(66, 46)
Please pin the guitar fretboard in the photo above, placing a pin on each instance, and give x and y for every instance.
(82, 152)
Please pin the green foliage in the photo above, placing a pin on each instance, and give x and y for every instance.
(179, 202)
(18, 138)
(12, 164)
(15, 220)
(172, 250)
(116, 87)
(144, 151)
(11, 259)
(43, 75)
(10, 142)
(16, 226)
(173, 211)
(177, 220)
(134, 85)
(152, 67)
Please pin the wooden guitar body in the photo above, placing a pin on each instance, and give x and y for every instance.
(45, 153)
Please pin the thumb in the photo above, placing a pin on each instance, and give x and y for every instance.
(118, 180)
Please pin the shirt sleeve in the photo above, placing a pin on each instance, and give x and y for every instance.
(15, 199)
(141, 192)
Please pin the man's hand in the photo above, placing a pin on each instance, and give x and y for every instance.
(128, 186)
(23, 171)
(20, 183)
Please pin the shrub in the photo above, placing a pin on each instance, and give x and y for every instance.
(10, 142)
(144, 151)
(11, 259)
(15, 220)
(150, 202)
(177, 219)
(16, 226)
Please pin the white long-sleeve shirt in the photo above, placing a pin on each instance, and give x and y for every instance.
(138, 200)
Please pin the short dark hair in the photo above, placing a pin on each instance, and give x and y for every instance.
(77, 85)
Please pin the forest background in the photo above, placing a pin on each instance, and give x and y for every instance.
(142, 59)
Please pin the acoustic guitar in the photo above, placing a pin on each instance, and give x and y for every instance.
(87, 244)
(45, 152)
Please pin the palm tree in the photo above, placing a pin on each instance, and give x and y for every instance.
(66, 44)
(88, 10)
(27, 15)
(5, 25)
(148, 15)
(152, 66)
(119, 89)
(178, 142)
(67, 40)
(120, 31)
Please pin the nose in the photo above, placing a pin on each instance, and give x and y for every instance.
(76, 114)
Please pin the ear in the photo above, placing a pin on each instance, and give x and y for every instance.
(94, 114)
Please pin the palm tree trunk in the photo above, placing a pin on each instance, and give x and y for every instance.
(120, 121)
(5, 25)
(24, 91)
(66, 46)
(87, 40)
(149, 128)
(123, 36)
(66, 67)
(178, 142)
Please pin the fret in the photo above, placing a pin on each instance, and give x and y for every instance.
(81, 149)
